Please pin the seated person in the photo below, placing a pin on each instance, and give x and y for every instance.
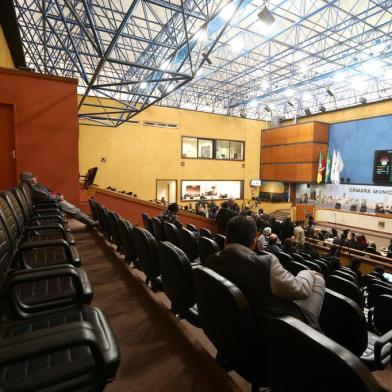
(310, 250)
(271, 290)
(299, 233)
(390, 247)
(355, 266)
(333, 257)
(201, 210)
(274, 246)
(170, 215)
(289, 246)
(262, 241)
(362, 242)
(372, 248)
(41, 193)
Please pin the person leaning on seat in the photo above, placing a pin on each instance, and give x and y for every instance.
(270, 290)
(170, 215)
(41, 193)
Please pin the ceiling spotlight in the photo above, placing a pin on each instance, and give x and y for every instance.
(330, 93)
(266, 16)
(308, 112)
(267, 109)
(362, 100)
(322, 108)
(207, 58)
(290, 103)
(243, 113)
(161, 89)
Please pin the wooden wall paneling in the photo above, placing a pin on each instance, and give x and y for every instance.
(307, 152)
(296, 172)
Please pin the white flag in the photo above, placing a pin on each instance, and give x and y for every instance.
(339, 164)
(335, 179)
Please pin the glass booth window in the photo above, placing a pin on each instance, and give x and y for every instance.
(222, 149)
(189, 147)
(237, 151)
(205, 148)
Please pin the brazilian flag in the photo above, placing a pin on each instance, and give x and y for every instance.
(320, 169)
(328, 169)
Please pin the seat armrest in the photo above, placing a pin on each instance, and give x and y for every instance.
(50, 340)
(55, 210)
(37, 219)
(49, 226)
(72, 254)
(378, 346)
(39, 269)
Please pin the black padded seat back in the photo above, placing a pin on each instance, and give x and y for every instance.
(220, 239)
(206, 233)
(342, 320)
(15, 208)
(112, 221)
(188, 243)
(346, 288)
(313, 266)
(302, 359)
(26, 210)
(146, 250)
(176, 275)
(125, 230)
(284, 258)
(93, 208)
(105, 223)
(306, 256)
(298, 257)
(294, 267)
(207, 247)
(170, 232)
(6, 251)
(345, 275)
(9, 221)
(226, 318)
(191, 227)
(382, 316)
(26, 190)
(147, 222)
(157, 229)
(101, 223)
(376, 289)
(348, 270)
(323, 265)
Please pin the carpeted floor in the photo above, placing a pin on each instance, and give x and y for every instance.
(155, 355)
(159, 353)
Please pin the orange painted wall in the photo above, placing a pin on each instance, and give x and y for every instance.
(46, 128)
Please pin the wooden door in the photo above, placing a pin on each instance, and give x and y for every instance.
(7, 147)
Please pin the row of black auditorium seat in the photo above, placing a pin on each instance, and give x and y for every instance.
(301, 359)
(50, 339)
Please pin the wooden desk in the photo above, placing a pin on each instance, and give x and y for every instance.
(369, 261)
(132, 208)
(379, 223)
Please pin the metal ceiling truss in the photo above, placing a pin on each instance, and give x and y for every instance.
(195, 54)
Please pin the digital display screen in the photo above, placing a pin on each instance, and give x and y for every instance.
(255, 182)
(382, 166)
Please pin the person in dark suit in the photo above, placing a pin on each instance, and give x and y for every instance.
(271, 290)
(274, 246)
(275, 226)
(286, 229)
(223, 216)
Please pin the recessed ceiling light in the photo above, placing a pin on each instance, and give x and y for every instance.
(227, 12)
(289, 93)
(237, 43)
